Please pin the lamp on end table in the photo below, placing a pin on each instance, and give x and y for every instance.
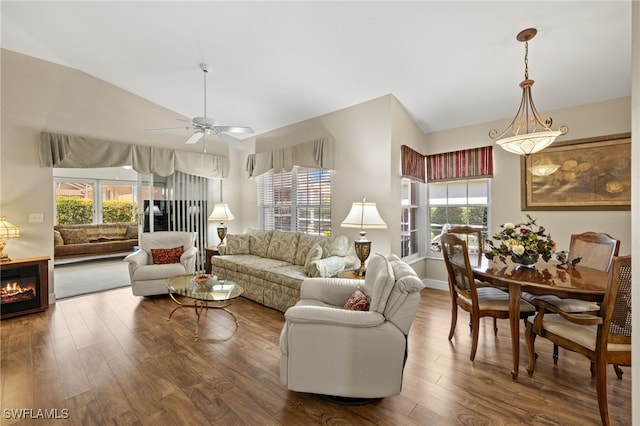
(363, 215)
(7, 230)
(221, 213)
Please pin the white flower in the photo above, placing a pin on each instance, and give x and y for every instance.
(509, 225)
(518, 250)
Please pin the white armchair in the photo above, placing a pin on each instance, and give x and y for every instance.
(329, 350)
(149, 278)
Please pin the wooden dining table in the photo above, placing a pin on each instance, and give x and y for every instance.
(551, 277)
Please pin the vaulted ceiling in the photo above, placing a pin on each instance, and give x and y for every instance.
(449, 63)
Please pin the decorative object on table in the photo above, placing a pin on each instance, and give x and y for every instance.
(363, 215)
(7, 230)
(524, 243)
(592, 174)
(528, 132)
(221, 213)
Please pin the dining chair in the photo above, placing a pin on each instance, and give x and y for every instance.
(473, 237)
(604, 338)
(465, 293)
(596, 250)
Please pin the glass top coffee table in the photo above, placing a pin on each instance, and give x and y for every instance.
(212, 294)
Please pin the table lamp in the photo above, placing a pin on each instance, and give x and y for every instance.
(363, 215)
(221, 213)
(7, 230)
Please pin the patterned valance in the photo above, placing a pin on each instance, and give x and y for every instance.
(315, 154)
(466, 164)
(413, 165)
(58, 150)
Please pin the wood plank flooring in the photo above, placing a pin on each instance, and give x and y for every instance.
(112, 358)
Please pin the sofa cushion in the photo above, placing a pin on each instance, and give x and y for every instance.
(74, 236)
(283, 246)
(379, 282)
(305, 242)
(237, 244)
(132, 232)
(358, 301)
(313, 254)
(164, 256)
(259, 242)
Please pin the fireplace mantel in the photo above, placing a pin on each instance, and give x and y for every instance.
(40, 267)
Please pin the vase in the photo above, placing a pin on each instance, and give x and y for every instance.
(525, 260)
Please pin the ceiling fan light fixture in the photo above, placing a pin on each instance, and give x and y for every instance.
(528, 132)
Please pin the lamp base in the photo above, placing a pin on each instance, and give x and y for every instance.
(363, 249)
(222, 233)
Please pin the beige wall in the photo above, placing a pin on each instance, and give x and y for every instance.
(603, 118)
(40, 96)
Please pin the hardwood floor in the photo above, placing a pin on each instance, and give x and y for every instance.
(112, 358)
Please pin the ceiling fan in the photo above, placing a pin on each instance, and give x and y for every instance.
(208, 126)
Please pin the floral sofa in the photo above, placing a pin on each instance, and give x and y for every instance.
(94, 239)
(271, 265)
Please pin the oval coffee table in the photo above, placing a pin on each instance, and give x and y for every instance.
(217, 296)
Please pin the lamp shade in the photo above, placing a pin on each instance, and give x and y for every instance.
(364, 215)
(7, 229)
(221, 213)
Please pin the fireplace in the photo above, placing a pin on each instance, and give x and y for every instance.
(24, 286)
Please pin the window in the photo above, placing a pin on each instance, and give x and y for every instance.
(458, 202)
(299, 201)
(411, 228)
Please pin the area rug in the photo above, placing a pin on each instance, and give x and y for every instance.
(90, 276)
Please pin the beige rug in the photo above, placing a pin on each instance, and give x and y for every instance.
(89, 276)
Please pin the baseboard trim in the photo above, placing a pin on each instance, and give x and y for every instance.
(436, 284)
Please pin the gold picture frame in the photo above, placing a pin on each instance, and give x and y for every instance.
(590, 174)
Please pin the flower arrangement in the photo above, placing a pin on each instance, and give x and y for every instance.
(523, 242)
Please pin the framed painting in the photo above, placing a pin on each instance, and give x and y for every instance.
(585, 174)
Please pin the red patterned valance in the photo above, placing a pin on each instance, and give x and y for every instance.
(412, 164)
(466, 164)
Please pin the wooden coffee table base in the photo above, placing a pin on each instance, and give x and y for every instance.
(199, 306)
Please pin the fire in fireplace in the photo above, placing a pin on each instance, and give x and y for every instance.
(20, 289)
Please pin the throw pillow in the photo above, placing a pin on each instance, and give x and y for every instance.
(57, 238)
(74, 236)
(315, 253)
(237, 244)
(132, 233)
(163, 256)
(358, 301)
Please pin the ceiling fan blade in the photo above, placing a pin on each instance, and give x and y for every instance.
(168, 128)
(185, 120)
(231, 141)
(195, 137)
(234, 129)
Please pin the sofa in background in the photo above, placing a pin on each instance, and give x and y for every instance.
(94, 239)
(271, 265)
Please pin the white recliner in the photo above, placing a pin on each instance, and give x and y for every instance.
(149, 278)
(329, 350)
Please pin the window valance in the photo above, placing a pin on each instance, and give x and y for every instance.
(58, 150)
(466, 164)
(317, 154)
(413, 164)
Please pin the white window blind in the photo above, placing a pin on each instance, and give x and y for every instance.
(299, 200)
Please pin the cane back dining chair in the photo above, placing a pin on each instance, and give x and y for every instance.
(604, 338)
(596, 250)
(465, 293)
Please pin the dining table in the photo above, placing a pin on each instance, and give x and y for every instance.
(544, 278)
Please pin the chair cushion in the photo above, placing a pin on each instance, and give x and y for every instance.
(164, 256)
(158, 272)
(568, 305)
(358, 301)
(237, 244)
(378, 282)
(490, 298)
